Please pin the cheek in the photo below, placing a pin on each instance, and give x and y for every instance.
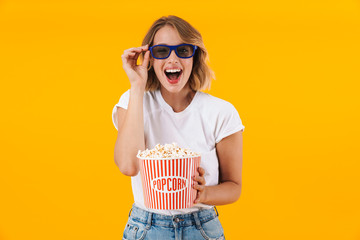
(157, 67)
(188, 67)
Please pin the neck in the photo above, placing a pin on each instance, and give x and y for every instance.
(180, 100)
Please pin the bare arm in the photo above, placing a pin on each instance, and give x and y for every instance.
(229, 152)
(130, 138)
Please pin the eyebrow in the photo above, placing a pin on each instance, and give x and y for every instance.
(167, 44)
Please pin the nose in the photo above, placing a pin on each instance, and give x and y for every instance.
(173, 57)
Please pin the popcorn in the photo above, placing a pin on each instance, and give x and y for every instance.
(167, 151)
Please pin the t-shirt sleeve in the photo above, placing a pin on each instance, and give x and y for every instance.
(123, 102)
(229, 122)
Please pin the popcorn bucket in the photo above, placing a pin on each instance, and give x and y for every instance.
(167, 182)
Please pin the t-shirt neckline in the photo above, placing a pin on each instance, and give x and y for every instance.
(168, 108)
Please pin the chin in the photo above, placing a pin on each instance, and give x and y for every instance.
(173, 88)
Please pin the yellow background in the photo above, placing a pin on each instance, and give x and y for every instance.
(291, 68)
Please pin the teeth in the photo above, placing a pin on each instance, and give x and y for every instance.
(172, 70)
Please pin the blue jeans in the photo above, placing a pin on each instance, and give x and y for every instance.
(203, 224)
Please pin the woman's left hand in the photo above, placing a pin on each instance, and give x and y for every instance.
(199, 185)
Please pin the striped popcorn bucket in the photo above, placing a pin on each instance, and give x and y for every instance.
(167, 182)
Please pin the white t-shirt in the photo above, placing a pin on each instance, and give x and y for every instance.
(205, 122)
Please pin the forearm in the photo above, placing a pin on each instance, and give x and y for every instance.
(130, 138)
(221, 194)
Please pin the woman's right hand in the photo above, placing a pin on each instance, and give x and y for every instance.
(137, 74)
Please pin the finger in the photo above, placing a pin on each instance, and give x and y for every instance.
(201, 171)
(128, 59)
(137, 49)
(128, 56)
(199, 187)
(130, 53)
(197, 199)
(136, 56)
(200, 180)
(146, 59)
(136, 52)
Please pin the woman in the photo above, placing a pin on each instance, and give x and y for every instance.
(164, 105)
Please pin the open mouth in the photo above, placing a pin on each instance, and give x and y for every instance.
(173, 74)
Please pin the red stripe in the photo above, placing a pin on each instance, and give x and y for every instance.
(161, 167)
(154, 176)
(157, 176)
(178, 193)
(173, 201)
(147, 182)
(176, 202)
(176, 172)
(177, 167)
(173, 167)
(183, 191)
(153, 202)
(187, 182)
(144, 182)
(190, 181)
(194, 173)
(156, 192)
(161, 175)
(167, 175)
(196, 169)
(177, 175)
(180, 199)
(170, 194)
(142, 179)
(166, 194)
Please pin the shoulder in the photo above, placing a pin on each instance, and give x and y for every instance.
(148, 95)
(214, 104)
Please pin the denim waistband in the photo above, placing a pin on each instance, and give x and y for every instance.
(179, 220)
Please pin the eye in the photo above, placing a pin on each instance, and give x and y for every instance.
(183, 50)
(161, 49)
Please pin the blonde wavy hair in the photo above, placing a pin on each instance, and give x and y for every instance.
(201, 75)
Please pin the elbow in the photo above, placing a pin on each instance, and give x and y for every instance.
(236, 192)
(129, 172)
(127, 169)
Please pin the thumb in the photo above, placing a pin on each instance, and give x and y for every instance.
(145, 63)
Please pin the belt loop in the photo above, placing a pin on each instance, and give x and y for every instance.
(148, 225)
(217, 213)
(197, 220)
(130, 212)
